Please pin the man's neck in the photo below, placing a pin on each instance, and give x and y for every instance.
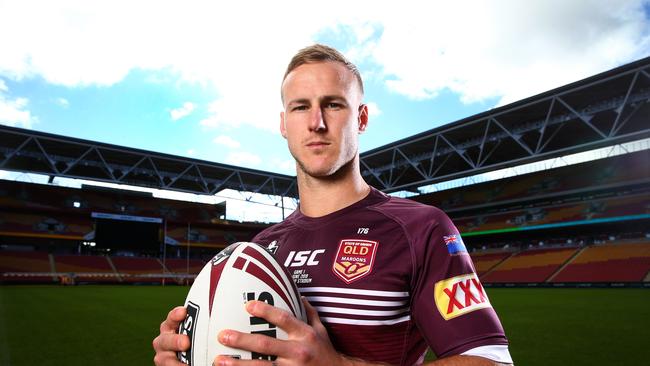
(322, 196)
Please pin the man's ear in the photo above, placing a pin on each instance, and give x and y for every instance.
(283, 128)
(363, 117)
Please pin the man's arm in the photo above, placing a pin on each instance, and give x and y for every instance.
(308, 344)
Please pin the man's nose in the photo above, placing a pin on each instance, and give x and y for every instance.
(317, 120)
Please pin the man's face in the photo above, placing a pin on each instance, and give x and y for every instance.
(322, 117)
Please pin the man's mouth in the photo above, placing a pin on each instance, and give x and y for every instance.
(317, 144)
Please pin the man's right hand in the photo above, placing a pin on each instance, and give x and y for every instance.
(168, 341)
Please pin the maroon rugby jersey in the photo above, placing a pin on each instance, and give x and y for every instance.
(388, 277)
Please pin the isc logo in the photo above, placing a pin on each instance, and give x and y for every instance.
(460, 295)
(299, 259)
(187, 328)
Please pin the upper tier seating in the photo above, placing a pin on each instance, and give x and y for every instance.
(610, 207)
(622, 169)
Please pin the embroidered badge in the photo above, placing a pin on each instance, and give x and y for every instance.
(454, 244)
(354, 259)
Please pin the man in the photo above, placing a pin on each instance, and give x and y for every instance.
(387, 277)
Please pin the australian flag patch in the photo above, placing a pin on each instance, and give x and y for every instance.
(454, 244)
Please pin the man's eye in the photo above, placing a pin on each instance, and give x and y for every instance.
(299, 108)
(334, 105)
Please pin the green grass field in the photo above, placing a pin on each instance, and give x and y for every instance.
(114, 325)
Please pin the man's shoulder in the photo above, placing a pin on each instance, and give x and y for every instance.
(405, 210)
(273, 231)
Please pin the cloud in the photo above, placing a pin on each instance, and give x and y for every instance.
(243, 158)
(503, 49)
(62, 102)
(183, 111)
(285, 166)
(373, 109)
(14, 112)
(226, 141)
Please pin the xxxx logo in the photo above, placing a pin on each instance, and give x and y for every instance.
(460, 295)
(354, 259)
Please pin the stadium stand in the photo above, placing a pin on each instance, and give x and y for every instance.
(91, 268)
(623, 170)
(133, 269)
(613, 207)
(19, 266)
(177, 265)
(530, 266)
(486, 261)
(44, 198)
(45, 224)
(37, 215)
(629, 262)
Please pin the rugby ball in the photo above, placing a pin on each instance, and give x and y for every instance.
(239, 273)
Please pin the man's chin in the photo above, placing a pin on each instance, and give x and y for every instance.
(325, 171)
(321, 171)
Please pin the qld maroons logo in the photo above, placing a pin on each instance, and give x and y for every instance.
(354, 259)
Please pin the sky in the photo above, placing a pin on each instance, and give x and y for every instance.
(201, 79)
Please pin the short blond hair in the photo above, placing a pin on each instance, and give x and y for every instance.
(322, 53)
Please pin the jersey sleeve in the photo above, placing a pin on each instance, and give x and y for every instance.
(449, 304)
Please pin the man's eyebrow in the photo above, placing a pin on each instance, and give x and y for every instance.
(298, 101)
(338, 98)
(325, 99)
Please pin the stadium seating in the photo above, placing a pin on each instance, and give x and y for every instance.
(176, 265)
(484, 262)
(46, 198)
(15, 266)
(530, 266)
(553, 214)
(38, 225)
(136, 269)
(86, 267)
(608, 263)
(623, 169)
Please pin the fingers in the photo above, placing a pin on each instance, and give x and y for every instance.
(273, 315)
(167, 359)
(167, 343)
(229, 361)
(314, 320)
(171, 342)
(174, 319)
(312, 314)
(258, 343)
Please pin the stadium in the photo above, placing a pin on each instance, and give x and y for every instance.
(562, 248)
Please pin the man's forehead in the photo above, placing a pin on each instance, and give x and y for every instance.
(318, 76)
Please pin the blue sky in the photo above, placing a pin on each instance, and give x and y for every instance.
(200, 79)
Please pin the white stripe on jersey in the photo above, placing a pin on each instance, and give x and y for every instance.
(326, 309)
(353, 291)
(345, 300)
(365, 322)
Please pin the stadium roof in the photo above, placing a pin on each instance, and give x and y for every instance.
(605, 109)
(59, 156)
